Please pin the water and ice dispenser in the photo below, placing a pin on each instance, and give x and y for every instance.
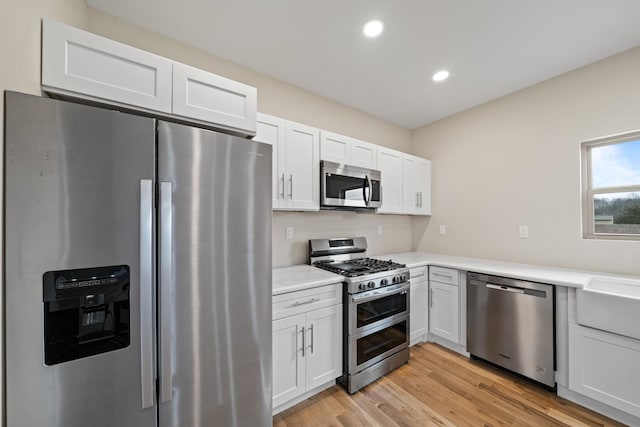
(86, 312)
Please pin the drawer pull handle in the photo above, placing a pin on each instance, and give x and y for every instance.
(297, 303)
(443, 275)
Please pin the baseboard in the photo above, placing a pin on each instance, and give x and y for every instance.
(298, 399)
(598, 407)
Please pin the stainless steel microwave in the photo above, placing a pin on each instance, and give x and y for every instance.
(348, 187)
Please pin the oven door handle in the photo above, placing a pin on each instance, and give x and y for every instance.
(360, 299)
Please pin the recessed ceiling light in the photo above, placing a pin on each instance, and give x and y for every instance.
(440, 76)
(373, 28)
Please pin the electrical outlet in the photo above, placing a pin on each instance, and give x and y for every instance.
(380, 230)
(443, 229)
(523, 232)
(289, 233)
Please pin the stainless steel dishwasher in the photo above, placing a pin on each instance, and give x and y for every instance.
(511, 324)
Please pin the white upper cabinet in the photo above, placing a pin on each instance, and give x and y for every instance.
(334, 147)
(348, 151)
(82, 64)
(296, 164)
(205, 96)
(300, 167)
(364, 154)
(390, 164)
(271, 130)
(416, 182)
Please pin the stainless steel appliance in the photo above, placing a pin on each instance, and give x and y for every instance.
(511, 323)
(349, 187)
(138, 271)
(376, 309)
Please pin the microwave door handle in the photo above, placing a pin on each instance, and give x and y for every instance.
(366, 186)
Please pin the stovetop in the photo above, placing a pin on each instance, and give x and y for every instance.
(358, 267)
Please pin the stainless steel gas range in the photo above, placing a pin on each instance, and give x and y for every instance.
(376, 309)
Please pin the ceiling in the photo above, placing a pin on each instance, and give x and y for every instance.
(491, 47)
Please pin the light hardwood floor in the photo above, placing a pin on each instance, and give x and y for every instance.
(441, 388)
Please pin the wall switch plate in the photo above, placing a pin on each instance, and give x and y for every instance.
(443, 229)
(289, 233)
(523, 232)
(380, 230)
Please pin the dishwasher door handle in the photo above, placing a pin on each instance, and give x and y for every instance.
(505, 288)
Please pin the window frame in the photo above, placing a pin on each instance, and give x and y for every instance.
(588, 192)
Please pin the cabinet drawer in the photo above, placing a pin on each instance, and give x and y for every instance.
(303, 301)
(444, 275)
(79, 63)
(418, 274)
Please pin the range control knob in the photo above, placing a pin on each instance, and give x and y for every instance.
(362, 286)
(384, 282)
(371, 284)
(403, 277)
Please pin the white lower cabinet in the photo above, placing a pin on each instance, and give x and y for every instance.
(418, 319)
(444, 303)
(307, 343)
(605, 367)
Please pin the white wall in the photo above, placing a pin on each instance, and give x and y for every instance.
(290, 102)
(516, 161)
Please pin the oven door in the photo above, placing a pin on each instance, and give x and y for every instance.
(372, 346)
(349, 186)
(368, 310)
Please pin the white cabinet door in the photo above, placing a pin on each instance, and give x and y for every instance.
(271, 130)
(335, 147)
(423, 185)
(82, 64)
(605, 367)
(416, 181)
(418, 311)
(443, 311)
(288, 363)
(323, 345)
(364, 154)
(214, 99)
(390, 165)
(302, 167)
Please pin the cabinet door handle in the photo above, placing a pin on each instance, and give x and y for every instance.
(311, 327)
(431, 297)
(417, 200)
(291, 186)
(302, 341)
(282, 193)
(420, 193)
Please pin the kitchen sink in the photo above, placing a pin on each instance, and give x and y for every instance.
(610, 304)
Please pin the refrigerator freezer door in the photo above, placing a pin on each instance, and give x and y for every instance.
(73, 201)
(220, 285)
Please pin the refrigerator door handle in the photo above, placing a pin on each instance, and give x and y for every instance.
(166, 244)
(146, 293)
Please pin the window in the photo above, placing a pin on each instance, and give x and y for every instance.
(611, 187)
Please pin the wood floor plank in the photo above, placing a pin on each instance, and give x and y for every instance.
(443, 389)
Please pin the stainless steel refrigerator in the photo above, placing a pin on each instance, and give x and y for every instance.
(137, 271)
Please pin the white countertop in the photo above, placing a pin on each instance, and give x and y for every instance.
(535, 273)
(299, 277)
